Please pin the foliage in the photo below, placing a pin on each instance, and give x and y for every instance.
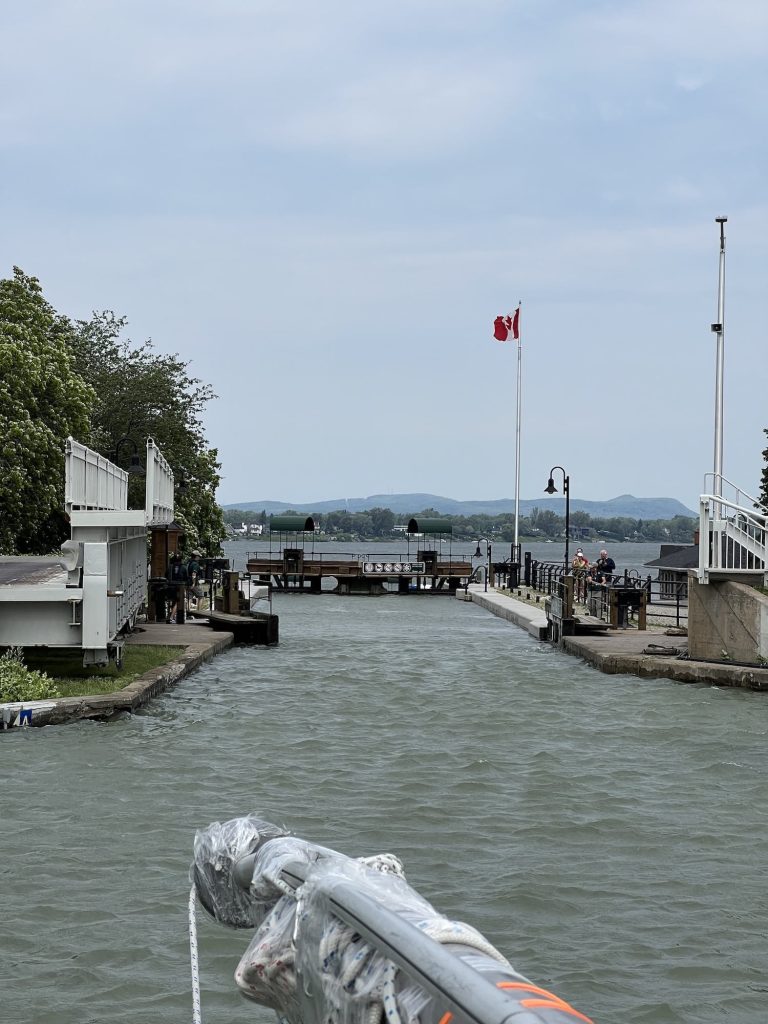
(139, 394)
(764, 478)
(17, 682)
(378, 524)
(42, 401)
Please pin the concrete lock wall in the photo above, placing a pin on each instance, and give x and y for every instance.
(727, 622)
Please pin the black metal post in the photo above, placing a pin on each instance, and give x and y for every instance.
(135, 468)
(550, 489)
(567, 492)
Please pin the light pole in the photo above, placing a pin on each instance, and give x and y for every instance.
(551, 489)
(479, 554)
(135, 468)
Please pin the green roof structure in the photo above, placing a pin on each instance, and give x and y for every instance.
(291, 524)
(430, 526)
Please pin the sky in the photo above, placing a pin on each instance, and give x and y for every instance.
(323, 207)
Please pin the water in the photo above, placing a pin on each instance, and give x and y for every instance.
(605, 832)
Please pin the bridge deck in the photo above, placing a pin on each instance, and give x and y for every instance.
(28, 571)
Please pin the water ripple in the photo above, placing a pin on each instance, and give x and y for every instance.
(605, 832)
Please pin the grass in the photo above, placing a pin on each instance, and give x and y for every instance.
(72, 679)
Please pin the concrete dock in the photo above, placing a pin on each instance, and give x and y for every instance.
(646, 653)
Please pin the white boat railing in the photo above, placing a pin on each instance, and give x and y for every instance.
(733, 532)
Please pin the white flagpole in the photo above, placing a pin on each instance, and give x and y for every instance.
(718, 328)
(517, 435)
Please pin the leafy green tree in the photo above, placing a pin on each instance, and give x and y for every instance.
(383, 520)
(139, 394)
(42, 401)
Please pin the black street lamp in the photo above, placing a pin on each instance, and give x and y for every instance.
(135, 468)
(479, 554)
(551, 489)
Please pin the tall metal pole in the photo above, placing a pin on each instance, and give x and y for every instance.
(718, 328)
(517, 439)
(567, 489)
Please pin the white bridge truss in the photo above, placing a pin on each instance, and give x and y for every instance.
(94, 593)
(733, 533)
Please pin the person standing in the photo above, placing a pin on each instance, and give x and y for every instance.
(605, 567)
(194, 571)
(177, 586)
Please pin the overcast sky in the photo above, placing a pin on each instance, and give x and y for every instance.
(323, 206)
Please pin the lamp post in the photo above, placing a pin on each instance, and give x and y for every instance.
(135, 468)
(479, 554)
(551, 489)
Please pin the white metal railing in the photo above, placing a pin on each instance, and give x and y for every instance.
(91, 481)
(159, 492)
(733, 531)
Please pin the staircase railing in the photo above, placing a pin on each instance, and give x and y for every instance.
(733, 533)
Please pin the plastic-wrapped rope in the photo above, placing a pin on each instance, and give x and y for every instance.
(302, 901)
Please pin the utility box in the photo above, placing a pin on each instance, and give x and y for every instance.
(231, 593)
(429, 558)
(626, 600)
(293, 561)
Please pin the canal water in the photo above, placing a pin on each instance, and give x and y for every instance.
(605, 832)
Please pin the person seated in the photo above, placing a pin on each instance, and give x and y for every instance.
(605, 567)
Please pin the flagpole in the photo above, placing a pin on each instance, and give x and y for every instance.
(517, 436)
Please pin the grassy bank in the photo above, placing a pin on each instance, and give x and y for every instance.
(71, 679)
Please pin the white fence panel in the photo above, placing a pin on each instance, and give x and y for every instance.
(733, 533)
(159, 493)
(91, 481)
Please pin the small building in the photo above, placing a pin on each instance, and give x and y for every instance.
(673, 564)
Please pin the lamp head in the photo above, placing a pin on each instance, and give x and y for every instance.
(550, 488)
(136, 468)
(478, 552)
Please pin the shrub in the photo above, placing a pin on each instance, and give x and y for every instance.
(17, 682)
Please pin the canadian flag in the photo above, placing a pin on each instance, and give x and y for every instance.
(503, 326)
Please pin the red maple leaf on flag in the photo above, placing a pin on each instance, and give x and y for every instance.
(501, 328)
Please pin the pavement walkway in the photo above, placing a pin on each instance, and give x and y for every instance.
(627, 651)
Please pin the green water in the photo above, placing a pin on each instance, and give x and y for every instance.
(605, 832)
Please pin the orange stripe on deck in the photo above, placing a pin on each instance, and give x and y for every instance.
(550, 1000)
(445, 1018)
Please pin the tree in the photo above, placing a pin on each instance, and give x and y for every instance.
(42, 401)
(140, 394)
(383, 520)
(764, 478)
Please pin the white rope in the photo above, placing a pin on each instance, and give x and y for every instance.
(197, 1015)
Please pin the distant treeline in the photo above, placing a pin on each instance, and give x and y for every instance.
(380, 523)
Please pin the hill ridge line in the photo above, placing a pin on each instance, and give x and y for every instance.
(624, 505)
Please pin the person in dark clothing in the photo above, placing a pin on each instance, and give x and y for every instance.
(605, 567)
(177, 578)
(194, 572)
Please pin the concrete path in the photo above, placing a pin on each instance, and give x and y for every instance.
(529, 615)
(623, 650)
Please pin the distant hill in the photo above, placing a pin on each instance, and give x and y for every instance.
(408, 504)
